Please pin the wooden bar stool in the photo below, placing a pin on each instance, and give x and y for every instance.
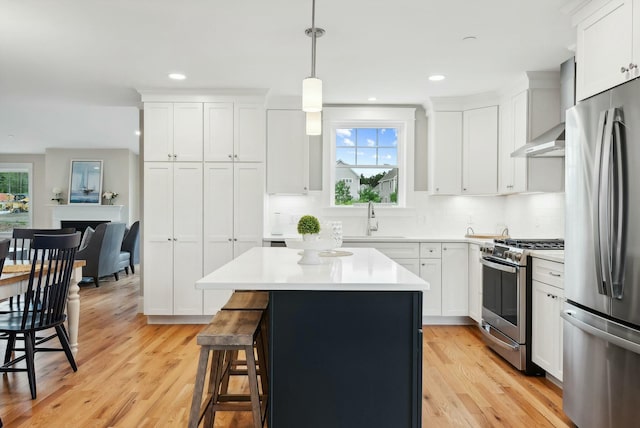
(229, 331)
(246, 300)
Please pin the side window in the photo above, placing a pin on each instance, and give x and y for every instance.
(15, 197)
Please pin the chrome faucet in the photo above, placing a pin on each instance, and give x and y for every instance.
(371, 215)
(505, 232)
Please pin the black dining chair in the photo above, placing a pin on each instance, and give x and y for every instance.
(5, 244)
(21, 243)
(44, 305)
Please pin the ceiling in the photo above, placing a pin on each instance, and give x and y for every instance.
(69, 69)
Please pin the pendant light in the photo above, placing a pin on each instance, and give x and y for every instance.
(312, 86)
(314, 123)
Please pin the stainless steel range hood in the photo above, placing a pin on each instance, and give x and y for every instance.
(548, 144)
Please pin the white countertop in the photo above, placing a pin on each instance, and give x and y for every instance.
(268, 268)
(382, 238)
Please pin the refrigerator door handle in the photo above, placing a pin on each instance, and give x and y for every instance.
(569, 316)
(605, 203)
(597, 203)
(617, 243)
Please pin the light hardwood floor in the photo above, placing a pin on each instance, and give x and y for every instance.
(136, 375)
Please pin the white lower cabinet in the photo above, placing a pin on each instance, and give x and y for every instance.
(232, 218)
(475, 283)
(172, 238)
(455, 279)
(547, 303)
(431, 271)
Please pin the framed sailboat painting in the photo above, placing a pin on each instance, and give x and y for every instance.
(85, 182)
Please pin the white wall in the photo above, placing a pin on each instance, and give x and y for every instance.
(526, 216)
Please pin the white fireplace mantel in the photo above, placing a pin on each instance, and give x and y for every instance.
(87, 212)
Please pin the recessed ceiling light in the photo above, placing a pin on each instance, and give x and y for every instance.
(436, 77)
(137, 133)
(372, 99)
(177, 76)
(469, 38)
(10, 135)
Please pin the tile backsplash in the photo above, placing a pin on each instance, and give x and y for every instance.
(526, 216)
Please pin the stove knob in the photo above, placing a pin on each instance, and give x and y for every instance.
(516, 257)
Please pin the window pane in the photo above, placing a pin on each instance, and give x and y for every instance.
(345, 137)
(387, 156)
(346, 156)
(367, 137)
(388, 137)
(367, 156)
(15, 200)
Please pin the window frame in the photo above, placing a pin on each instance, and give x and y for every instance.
(401, 118)
(21, 167)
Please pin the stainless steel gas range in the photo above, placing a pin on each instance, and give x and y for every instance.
(506, 298)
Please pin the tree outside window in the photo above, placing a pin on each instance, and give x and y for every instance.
(15, 199)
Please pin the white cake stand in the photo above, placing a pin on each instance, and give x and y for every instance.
(312, 249)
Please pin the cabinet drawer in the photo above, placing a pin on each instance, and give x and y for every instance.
(430, 250)
(393, 250)
(548, 272)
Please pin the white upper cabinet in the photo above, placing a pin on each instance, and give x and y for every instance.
(158, 132)
(173, 132)
(480, 151)
(524, 115)
(249, 133)
(446, 153)
(234, 132)
(287, 152)
(608, 48)
(218, 132)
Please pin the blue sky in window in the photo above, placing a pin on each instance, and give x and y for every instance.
(367, 146)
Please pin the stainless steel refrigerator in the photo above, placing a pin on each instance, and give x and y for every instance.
(601, 346)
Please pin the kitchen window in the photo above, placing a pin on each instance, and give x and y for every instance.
(367, 153)
(15, 197)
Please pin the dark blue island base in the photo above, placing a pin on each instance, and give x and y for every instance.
(345, 359)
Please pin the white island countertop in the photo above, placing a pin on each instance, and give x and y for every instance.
(268, 268)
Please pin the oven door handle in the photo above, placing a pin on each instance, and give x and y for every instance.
(498, 266)
(486, 331)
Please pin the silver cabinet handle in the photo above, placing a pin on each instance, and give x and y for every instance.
(230, 157)
(175, 239)
(431, 250)
(437, 189)
(169, 156)
(175, 156)
(464, 189)
(632, 66)
(423, 264)
(168, 239)
(555, 274)
(230, 239)
(623, 69)
(235, 156)
(235, 239)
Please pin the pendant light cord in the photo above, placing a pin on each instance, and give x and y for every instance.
(313, 39)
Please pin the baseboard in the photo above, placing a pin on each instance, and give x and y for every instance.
(178, 319)
(140, 304)
(459, 320)
(554, 380)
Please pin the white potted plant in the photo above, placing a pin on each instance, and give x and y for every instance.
(309, 227)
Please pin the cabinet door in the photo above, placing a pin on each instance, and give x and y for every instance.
(604, 46)
(505, 147)
(248, 196)
(287, 152)
(431, 271)
(218, 132)
(544, 326)
(187, 233)
(475, 283)
(187, 132)
(480, 151)
(455, 279)
(412, 265)
(218, 227)
(249, 135)
(157, 265)
(446, 167)
(158, 132)
(520, 118)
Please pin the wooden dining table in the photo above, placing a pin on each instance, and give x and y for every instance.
(15, 279)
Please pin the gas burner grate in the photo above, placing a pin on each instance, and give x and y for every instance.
(533, 244)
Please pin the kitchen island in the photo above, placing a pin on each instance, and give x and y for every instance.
(345, 338)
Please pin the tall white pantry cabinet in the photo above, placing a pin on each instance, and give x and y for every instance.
(203, 194)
